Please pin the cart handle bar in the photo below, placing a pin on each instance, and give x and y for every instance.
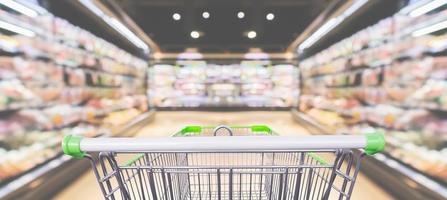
(77, 146)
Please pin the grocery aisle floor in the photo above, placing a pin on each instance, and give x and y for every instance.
(166, 123)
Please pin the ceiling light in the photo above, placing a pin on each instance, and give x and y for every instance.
(33, 5)
(270, 16)
(411, 6)
(195, 34)
(128, 33)
(427, 8)
(330, 24)
(176, 16)
(92, 7)
(116, 24)
(206, 15)
(19, 8)
(240, 15)
(430, 29)
(354, 7)
(251, 34)
(16, 29)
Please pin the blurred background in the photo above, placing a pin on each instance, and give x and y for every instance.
(146, 68)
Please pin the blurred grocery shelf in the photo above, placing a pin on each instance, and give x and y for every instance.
(104, 68)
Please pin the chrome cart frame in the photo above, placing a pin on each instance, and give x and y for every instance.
(252, 163)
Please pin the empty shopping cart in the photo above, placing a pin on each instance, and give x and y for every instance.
(235, 162)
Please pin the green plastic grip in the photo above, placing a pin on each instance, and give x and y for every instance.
(261, 128)
(71, 145)
(375, 143)
(191, 129)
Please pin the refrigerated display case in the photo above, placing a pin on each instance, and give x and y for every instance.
(201, 84)
(389, 77)
(58, 79)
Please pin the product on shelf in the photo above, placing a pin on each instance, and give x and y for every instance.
(201, 84)
(22, 152)
(394, 81)
(13, 95)
(63, 80)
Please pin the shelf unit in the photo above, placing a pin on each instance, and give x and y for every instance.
(387, 78)
(384, 169)
(45, 180)
(59, 80)
(209, 86)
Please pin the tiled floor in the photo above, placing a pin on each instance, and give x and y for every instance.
(167, 123)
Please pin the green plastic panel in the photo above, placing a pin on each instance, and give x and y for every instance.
(317, 158)
(134, 159)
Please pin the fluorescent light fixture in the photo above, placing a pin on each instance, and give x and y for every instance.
(251, 34)
(270, 16)
(33, 5)
(354, 7)
(92, 7)
(16, 29)
(413, 5)
(176, 16)
(330, 24)
(430, 29)
(195, 34)
(116, 24)
(427, 8)
(19, 8)
(240, 15)
(127, 33)
(206, 15)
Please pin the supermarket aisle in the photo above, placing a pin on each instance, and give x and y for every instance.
(166, 123)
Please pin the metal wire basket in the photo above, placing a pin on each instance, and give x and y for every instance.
(251, 163)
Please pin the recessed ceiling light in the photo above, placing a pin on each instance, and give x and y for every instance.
(195, 34)
(176, 16)
(251, 34)
(206, 15)
(240, 15)
(270, 16)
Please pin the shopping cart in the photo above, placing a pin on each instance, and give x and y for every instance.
(248, 162)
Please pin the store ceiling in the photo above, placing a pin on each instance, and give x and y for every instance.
(223, 31)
